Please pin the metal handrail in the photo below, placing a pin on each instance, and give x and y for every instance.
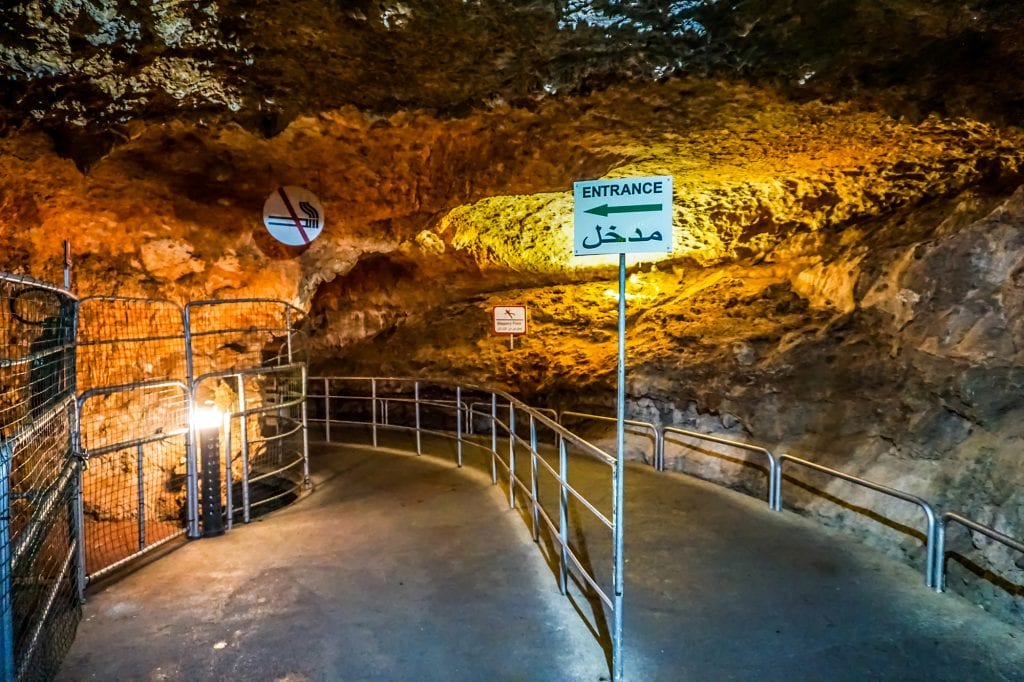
(658, 446)
(773, 464)
(565, 437)
(474, 413)
(939, 580)
(929, 512)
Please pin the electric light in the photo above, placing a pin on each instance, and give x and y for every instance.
(207, 418)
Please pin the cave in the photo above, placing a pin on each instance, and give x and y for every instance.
(843, 283)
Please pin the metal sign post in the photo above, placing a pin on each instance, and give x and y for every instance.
(631, 215)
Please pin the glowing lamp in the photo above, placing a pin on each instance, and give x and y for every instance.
(206, 418)
(207, 421)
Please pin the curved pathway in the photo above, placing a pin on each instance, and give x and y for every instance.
(402, 568)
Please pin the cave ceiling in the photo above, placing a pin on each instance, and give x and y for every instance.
(84, 69)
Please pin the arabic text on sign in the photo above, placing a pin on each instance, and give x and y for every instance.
(612, 237)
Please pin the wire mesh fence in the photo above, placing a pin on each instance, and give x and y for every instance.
(247, 359)
(40, 602)
(243, 333)
(97, 460)
(133, 427)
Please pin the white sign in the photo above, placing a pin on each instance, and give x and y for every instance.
(510, 319)
(293, 216)
(630, 215)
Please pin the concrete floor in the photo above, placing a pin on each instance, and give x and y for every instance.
(401, 568)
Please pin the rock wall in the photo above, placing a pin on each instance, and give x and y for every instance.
(843, 284)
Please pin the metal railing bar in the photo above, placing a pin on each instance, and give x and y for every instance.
(123, 388)
(294, 490)
(773, 463)
(132, 557)
(277, 436)
(627, 422)
(519, 405)
(132, 299)
(268, 474)
(37, 284)
(229, 301)
(250, 411)
(929, 512)
(39, 423)
(89, 453)
(575, 493)
(30, 648)
(43, 518)
(939, 581)
(569, 437)
(132, 339)
(247, 371)
(6, 363)
(579, 496)
(582, 572)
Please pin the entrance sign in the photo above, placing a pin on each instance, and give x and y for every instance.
(293, 216)
(632, 215)
(510, 319)
(629, 215)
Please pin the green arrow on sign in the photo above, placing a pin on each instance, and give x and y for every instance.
(605, 210)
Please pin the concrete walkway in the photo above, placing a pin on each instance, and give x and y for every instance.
(406, 568)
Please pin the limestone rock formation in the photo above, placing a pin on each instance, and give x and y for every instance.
(845, 280)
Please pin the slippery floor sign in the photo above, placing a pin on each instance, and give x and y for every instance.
(293, 216)
(510, 319)
(629, 215)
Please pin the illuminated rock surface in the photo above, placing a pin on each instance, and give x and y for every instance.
(846, 280)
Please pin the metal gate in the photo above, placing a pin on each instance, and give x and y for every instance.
(246, 359)
(98, 447)
(39, 478)
(133, 409)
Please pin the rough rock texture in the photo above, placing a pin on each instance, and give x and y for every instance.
(846, 276)
(85, 68)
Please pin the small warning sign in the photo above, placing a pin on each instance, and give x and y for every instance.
(293, 216)
(510, 319)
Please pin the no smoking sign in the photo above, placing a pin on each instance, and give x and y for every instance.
(293, 216)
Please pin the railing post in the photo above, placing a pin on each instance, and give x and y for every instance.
(929, 569)
(80, 527)
(7, 665)
(533, 478)
(373, 408)
(416, 400)
(511, 455)
(288, 330)
(458, 424)
(191, 446)
(243, 440)
(228, 474)
(773, 466)
(494, 438)
(939, 557)
(660, 446)
(79, 493)
(327, 409)
(305, 428)
(563, 516)
(777, 483)
(141, 481)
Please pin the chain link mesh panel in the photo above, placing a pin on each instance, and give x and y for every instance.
(252, 353)
(244, 333)
(39, 547)
(133, 420)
